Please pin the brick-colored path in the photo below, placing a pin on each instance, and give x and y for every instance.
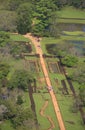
(49, 86)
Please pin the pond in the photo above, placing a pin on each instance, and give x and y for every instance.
(71, 27)
(78, 47)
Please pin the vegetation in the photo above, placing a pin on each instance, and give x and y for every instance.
(4, 70)
(21, 79)
(10, 20)
(11, 44)
(69, 55)
(4, 38)
(44, 14)
(19, 100)
(69, 61)
(21, 16)
(23, 89)
(71, 12)
(24, 18)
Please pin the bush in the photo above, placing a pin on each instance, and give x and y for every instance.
(19, 100)
(69, 61)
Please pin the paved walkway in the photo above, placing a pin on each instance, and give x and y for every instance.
(36, 43)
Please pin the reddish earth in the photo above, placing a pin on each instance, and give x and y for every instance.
(36, 43)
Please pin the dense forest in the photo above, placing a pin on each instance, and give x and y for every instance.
(38, 16)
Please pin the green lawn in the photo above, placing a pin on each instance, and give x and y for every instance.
(74, 33)
(44, 123)
(48, 40)
(6, 126)
(65, 103)
(71, 12)
(61, 20)
(18, 37)
(75, 38)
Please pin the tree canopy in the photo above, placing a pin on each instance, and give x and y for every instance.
(24, 18)
(4, 69)
(4, 38)
(69, 61)
(20, 79)
(8, 21)
(19, 15)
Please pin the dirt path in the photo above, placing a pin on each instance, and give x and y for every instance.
(36, 43)
(48, 117)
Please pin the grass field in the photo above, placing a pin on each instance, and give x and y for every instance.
(62, 20)
(74, 33)
(6, 126)
(19, 37)
(44, 123)
(65, 103)
(71, 12)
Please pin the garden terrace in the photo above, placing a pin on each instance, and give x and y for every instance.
(33, 65)
(53, 67)
(65, 90)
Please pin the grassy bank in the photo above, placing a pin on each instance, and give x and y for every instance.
(71, 12)
(19, 37)
(71, 15)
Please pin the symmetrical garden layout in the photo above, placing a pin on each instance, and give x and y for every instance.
(51, 96)
(49, 86)
(53, 67)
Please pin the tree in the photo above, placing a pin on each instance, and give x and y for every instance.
(83, 3)
(53, 26)
(69, 61)
(24, 18)
(44, 11)
(79, 74)
(15, 114)
(4, 38)
(10, 21)
(4, 70)
(21, 79)
(14, 4)
(19, 100)
(77, 3)
(17, 48)
(58, 3)
(11, 110)
(20, 120)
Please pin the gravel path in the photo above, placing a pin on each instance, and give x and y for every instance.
(36, 43)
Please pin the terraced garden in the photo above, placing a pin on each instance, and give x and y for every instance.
(72, 31)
